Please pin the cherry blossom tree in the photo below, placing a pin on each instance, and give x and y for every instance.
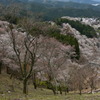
(54, 57)
(25, 48)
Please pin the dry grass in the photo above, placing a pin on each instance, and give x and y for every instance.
(39, 94)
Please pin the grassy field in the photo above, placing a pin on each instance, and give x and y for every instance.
(39, 94)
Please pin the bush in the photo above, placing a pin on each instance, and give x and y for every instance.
(42, 84)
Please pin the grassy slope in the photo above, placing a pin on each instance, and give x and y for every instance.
(39, 94)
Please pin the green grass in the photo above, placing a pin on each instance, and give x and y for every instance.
(39, 94)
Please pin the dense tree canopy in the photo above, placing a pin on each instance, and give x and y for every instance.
(82, 28)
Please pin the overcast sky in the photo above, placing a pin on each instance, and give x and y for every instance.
(80, 0)
(96, 0)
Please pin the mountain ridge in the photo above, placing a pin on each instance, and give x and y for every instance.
(77, 1)
(45, 10)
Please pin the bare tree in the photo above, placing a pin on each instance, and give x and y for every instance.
(77, 78)
(2, 52)
(25, 49)
(91, 76)
(53, 58)
(0, 66)
(65, 81)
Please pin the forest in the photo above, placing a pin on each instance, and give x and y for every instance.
(46, 57)
(82, 28)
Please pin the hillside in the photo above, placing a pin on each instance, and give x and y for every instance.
(6, 92)
(45, 54)
(59, 53)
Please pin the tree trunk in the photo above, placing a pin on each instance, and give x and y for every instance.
(54, 92)
(67, 90)
(34, 80)
(53, 89)
(80, 92)
(91, 85)
(0, 67)
(25, 86)
(7, 70)
(80, 88)
(60, 89)
(91, 90)
(35, 85)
